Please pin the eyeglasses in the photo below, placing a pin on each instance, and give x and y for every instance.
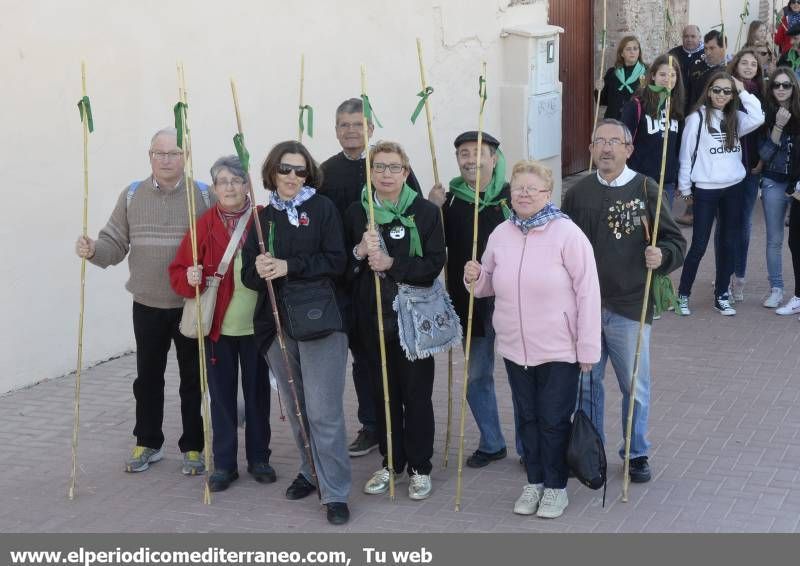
(299, 170)
(613, 142)
(528, 190)
(720, 90)
(392, 167)
(169, 156)
(783, 86)
(236, 183)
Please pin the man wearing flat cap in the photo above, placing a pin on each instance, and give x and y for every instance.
(458, 209)
(791, 58)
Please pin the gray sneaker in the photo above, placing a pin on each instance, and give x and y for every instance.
(193, 464)
(378, 483)
(142, 457)
(419, 486)
(553, 503)
(528, 502)
(774, 299)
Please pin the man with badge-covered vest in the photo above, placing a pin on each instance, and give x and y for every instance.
(149, 221)
(493, 209)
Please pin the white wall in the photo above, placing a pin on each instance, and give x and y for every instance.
(131, 49)
(706, 14)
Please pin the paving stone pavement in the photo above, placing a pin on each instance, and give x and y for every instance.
(725, 430)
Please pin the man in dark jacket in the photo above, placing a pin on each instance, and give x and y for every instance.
(690, 51)
(458, 209)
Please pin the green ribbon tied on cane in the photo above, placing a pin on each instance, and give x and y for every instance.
(663, 94)
(369, 112)
(743, 16)
(180, 120)
(271, 239)
(241, 151)
(309, 111)
(482, 90)
(423, 95)
(85, 109)
(668, 16)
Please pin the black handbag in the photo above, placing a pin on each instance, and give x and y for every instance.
(309, 309)
(586, 455)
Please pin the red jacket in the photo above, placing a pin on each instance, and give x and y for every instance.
(782, 39)
(212, 239)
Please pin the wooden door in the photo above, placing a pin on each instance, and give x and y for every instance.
(576, 72)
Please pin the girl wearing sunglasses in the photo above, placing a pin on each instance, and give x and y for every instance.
(782, 106)
(711, 173)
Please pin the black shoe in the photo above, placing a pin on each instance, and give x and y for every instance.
(639, 470)
(366, 441)
(262, 472)
(300, 488)
(338, 513)
(522, 461)
(480, 459)
(221, 480)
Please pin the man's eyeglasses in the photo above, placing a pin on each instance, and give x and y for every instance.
(393, 167)
(348, 125)
(169, 156)
(236, 183)
(782, 86)
(720, 90)
(299, 170)
(613, 142)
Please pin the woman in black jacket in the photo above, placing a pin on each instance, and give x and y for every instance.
(306, 256)
(408, 247)
(622, 80)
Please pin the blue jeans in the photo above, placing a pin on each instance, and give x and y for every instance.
(669, 191)
(749, 193)
(774, 200)
(618, 343)
(725, 205)
(545, 396)
(480, 389)
(224, 359)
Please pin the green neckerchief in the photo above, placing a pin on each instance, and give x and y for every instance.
(636, 73)
(388, 212)
(491, 196)
(663, 94)
(794, 59)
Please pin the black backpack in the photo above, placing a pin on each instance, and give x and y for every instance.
(586, 455)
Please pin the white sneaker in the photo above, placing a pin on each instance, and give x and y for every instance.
(683, 306)
(553, 503)
(723, 305)
(792, 307)
(419, 486)
(378, 483)
(774, 299)
(528, 502)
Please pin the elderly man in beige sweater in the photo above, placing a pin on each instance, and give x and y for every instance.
(147, 224)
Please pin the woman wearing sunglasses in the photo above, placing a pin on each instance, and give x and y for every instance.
(711, 164)
(305, 258)
(782, 106)
(407, 248)
(790, 18)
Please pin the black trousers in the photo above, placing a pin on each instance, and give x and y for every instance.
(410, 406)
(794, 242)
(223, 359)
(155, 329)
(544, 396)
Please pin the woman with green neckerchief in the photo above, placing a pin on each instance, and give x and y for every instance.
(407, 248)
(624, 78)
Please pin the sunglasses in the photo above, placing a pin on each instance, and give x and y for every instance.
(720, 90)
(782, 86)
(299, 170)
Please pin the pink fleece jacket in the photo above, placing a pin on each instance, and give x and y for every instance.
(547, 295)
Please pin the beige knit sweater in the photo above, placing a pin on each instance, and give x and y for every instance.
(151, 227)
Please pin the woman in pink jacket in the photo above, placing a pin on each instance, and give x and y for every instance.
(540, 268)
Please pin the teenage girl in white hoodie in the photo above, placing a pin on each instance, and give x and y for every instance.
(711, 172)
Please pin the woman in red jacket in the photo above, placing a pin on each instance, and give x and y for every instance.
(790, 18)
(230, 341)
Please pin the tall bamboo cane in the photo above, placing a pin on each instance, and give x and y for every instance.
(366, 112)
(645, 301)
(600, 74)
(471, 304)
(188, 175)
(742, 16)
(279, 334)
(300, 106)
(435, 165)
(85, 118)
